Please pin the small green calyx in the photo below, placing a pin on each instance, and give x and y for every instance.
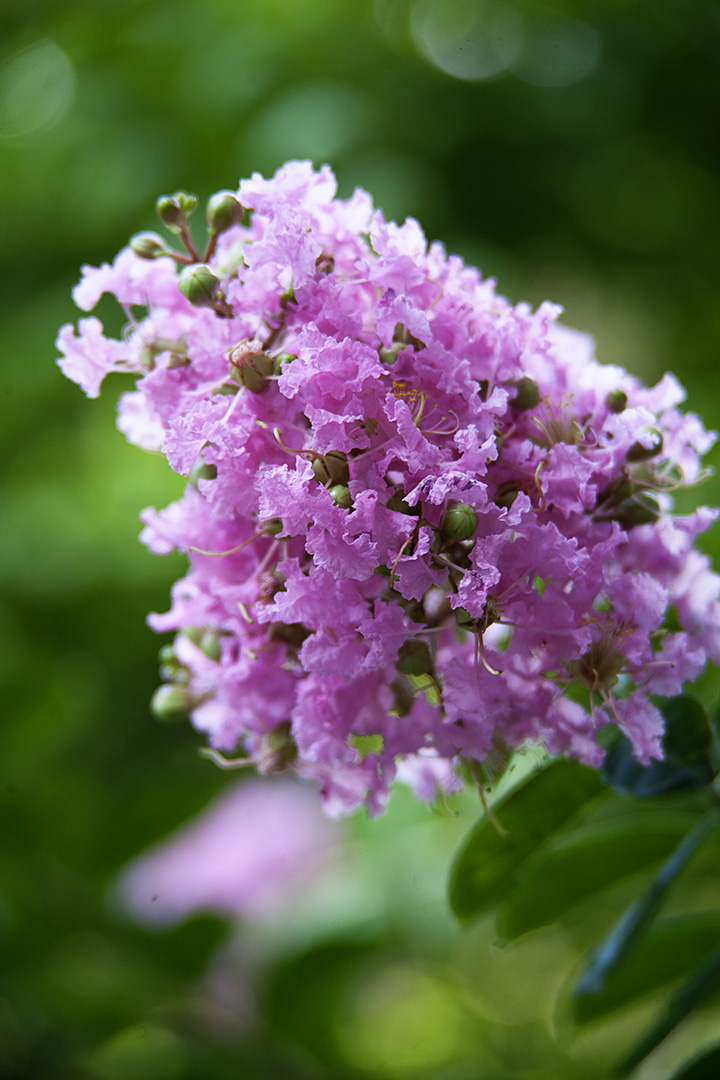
(199, 285)
(171, 703)
(616, 401)
(331, 468)
(640, 452)
(641, 509)
(173, 210)
(224, 210)
(459, 523)
(341, 496)
(527, 394)
(202, 470)
(148, 245)
(251, 367)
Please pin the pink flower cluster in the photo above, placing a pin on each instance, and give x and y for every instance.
(424, 526)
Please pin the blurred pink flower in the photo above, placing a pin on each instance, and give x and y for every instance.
(247, 854)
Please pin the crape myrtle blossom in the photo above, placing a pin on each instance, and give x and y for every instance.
(424, 526)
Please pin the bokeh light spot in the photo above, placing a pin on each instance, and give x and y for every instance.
(405, 1022)
(559, 50)
(37, 86)
(468, 39)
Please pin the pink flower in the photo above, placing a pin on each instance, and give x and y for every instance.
(247, 854)
(423, 524)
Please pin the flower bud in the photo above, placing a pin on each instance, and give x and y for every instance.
(148, 245)
(199, 285)
(528, 394)
(415, 658)
(640, 452)
(341, 496)
(641, 509)
(223, 211)
(459, 523)
(272, 527)
(174, 209)
(331, 468)
(616, 401)
(210, 645)
(171, 703)
(250, 366)
(202, 470)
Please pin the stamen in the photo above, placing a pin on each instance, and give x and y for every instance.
(223, 762)
(230, 551)
(475, 773)
(485, 664)
(399, 556)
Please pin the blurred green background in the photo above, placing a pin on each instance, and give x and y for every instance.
(567, 147)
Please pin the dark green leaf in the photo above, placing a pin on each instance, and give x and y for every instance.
(706, 1066)
(668, 950)
(533, 812)
(687, 764)
(580, 864)
(699, 989)
(615, 946)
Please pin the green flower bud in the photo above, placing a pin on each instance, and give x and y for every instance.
(341, 496)
(616, 401)
(528, 394)
(331, 468)
(171, 703)
(223, 211)
(202, 470)
(415, 658)
(638, 452)
(398, 504)
(199, 285)
(250, 367)
(148, 245)
(641, 509)
(459, 523)
(174, 209)
(210, 645)
(272, 527)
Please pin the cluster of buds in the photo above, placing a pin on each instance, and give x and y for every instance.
(424, 526)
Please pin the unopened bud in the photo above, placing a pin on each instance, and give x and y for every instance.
(148, 245)
(616, 401)
(641, 509)
(528, 394)
(223, 211)
(250, 366)
(459, 523)
(171, 703)
(415, 658)
(272, 527)
(202, 470)
(341, 496)
(640, 452)
(331, 468)
(174, 209)
(210, 645)
(199, 285)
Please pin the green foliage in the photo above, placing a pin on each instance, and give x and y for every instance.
(486, 867)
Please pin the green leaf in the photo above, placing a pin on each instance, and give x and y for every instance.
(706, 1066)
(668, 950)
(581, 864)
(699, 989)
(486, 863)
(614, 947)
(687, 765)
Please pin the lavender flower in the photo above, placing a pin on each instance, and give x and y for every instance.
(424, 526)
